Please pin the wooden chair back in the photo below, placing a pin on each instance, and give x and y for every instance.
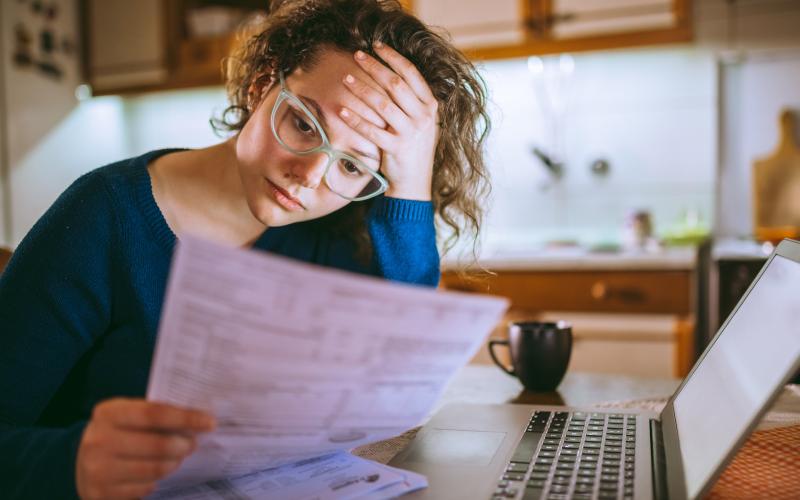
(5, 256)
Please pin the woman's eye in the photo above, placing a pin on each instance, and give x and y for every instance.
(350, 167)
(303, 126)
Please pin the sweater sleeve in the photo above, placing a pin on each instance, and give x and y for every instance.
(404, 240)
(55, 300)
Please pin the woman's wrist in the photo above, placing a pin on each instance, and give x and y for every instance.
(420, 191)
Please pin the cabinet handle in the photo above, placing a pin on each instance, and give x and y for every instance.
(599, 291)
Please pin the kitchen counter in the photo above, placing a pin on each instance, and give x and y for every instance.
(740, 249)
(580, 258)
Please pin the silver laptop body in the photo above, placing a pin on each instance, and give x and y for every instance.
(478, 451)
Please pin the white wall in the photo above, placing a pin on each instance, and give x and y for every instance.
(650, 112)
(103, 130)
(35, 103)
(173, 119)
(92, 134)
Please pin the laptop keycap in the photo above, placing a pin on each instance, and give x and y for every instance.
(578, 456)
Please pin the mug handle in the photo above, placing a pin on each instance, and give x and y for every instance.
(492, 343)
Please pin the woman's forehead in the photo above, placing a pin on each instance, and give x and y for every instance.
(323, 80)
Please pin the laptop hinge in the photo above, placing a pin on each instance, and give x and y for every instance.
(659, 460)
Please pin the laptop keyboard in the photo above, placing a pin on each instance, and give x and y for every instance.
(572, 455)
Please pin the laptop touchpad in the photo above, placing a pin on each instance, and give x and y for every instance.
(456, 447)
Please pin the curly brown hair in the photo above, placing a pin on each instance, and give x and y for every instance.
(292, 35)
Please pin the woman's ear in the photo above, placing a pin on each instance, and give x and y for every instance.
(258, 89)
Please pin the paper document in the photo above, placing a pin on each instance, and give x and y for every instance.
(339, 476)
(298, 361)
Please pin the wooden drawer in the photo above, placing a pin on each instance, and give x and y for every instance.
(200, 60)
(667, 292)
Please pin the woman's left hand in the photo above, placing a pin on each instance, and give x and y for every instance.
(408, 143)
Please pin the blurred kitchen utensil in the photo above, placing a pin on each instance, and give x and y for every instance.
(600, 167)
(637, 232)
(776, 187)
(554, 167)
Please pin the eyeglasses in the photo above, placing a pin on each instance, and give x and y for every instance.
(298, 131)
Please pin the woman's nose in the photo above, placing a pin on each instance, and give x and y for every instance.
(308, 170)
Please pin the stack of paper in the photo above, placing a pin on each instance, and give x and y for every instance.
(338, 476)
(299, 362)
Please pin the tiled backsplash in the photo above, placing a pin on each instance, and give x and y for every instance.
(650, 113)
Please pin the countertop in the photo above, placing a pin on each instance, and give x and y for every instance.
(579, 258)
(740, 249)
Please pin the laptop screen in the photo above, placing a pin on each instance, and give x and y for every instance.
(757, 348)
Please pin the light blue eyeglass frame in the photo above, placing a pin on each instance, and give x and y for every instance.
(325, 147)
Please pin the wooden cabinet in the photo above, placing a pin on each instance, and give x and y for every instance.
(581, 18)
(515, 28)
(126, 44)
(662, 292)
(199, 61)
(159, 44)
(476, 23)
(631, 322)
(149, 44)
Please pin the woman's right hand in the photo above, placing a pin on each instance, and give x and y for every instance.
(129, 444)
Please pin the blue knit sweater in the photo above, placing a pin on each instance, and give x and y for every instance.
(81, 299)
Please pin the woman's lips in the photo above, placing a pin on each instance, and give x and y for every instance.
(283, 198)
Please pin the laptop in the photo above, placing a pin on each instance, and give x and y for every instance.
(558, 452)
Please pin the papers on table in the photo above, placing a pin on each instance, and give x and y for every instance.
(339, 476)
(298, 361)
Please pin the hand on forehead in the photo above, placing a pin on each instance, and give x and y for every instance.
(323, 83)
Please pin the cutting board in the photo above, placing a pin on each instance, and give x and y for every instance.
(776, 186)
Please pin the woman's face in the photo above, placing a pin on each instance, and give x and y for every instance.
(282, 187)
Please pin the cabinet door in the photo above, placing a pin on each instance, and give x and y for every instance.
(576, 18)
(127, 44)
(636, 292)
(475, 23)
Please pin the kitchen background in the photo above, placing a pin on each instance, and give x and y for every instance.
(669, 130)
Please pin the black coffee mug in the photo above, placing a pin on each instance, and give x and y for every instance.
(540, 353)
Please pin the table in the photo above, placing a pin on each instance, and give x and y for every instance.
(477, 383)
(488, 384)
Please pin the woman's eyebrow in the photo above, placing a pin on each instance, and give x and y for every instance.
(321, 116)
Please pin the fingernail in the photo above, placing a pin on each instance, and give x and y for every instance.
(378, 44)
(360, 55)
(344, 113)
(349, 79)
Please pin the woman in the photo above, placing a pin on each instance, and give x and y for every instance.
(354, 125)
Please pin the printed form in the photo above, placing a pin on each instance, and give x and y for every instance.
(297, 361)
(332, 477)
